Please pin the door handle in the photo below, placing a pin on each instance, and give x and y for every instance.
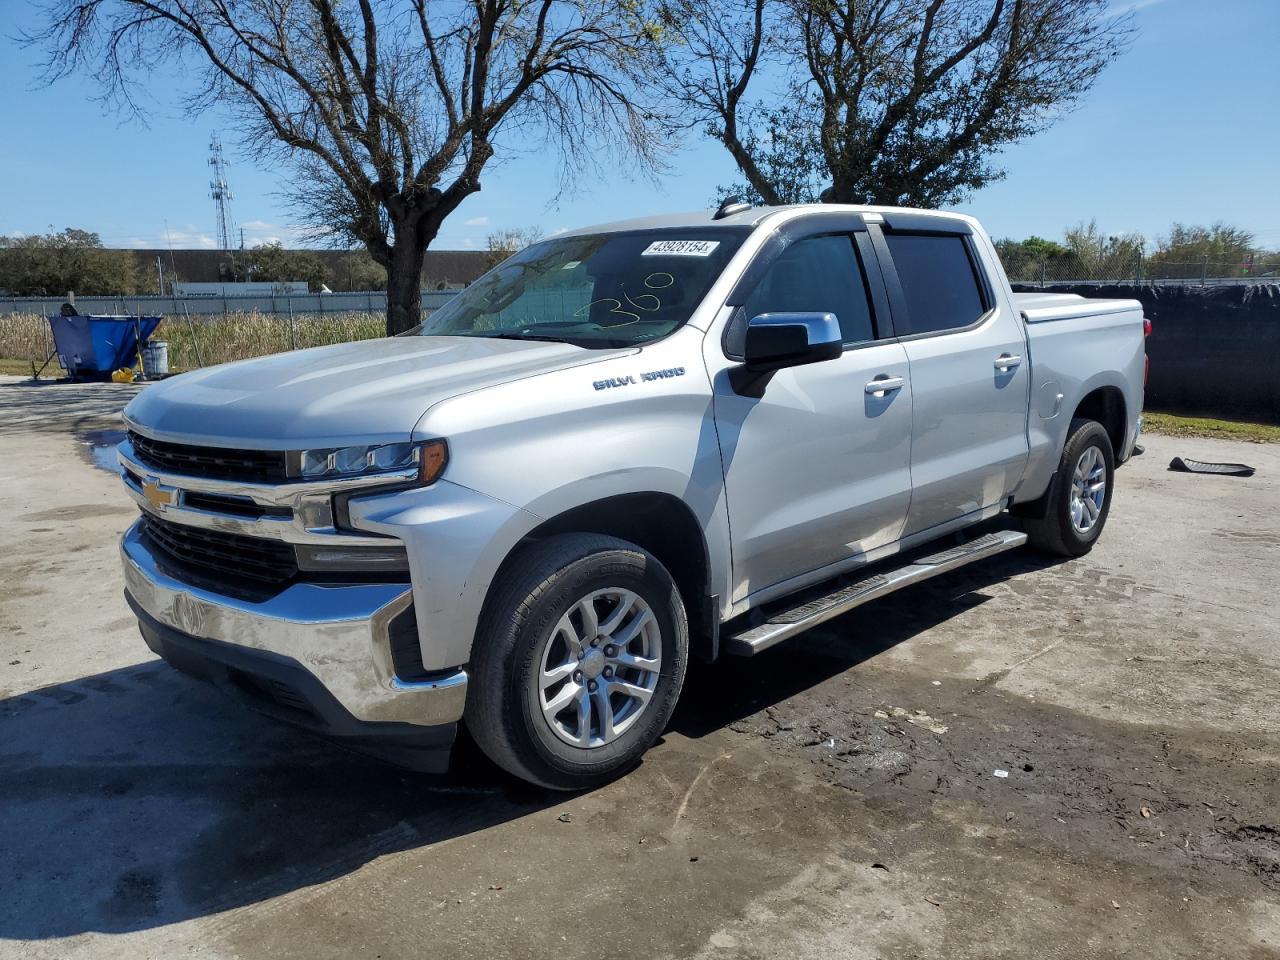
(882, 385)
(1006, 362)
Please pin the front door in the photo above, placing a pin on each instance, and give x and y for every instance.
(969, 379)
(816, 468)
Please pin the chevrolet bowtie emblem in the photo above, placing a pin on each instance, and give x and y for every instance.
(158, 495)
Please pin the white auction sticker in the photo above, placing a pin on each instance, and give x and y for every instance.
(680, 248)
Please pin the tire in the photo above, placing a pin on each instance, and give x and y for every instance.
(537, 619)
(1058, 531)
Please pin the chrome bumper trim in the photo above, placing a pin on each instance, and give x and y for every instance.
(337, 633)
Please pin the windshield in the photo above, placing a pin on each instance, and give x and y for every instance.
(603, 290)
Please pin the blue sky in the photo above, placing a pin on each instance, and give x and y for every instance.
(1184, 127)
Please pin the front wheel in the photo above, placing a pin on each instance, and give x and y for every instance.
(1079, 498)
(579, 661)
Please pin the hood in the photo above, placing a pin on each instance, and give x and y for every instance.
(364, 392)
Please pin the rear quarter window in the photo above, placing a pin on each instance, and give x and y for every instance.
(938, 280)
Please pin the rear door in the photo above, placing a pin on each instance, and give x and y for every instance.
(969, 372)
(817, 465)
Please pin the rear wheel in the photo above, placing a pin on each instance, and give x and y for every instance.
(1079, 499)
(579, 661)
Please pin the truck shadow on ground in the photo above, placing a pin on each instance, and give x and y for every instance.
(139, 798)
(734, 688)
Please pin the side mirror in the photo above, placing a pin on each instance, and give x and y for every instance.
(778, 340)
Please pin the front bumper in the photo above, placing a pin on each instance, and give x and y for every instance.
(332, 639)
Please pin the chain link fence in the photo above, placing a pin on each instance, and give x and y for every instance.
(281, 304)
(202, 331)
(1137, 269)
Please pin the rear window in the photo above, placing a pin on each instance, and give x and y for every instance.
(938, 280)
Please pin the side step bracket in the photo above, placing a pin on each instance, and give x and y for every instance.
(782, 624)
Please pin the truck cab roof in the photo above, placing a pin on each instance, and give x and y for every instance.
(759, 216)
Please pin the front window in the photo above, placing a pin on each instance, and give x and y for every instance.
(596, 291)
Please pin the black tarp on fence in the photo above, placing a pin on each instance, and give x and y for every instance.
(1215, 350)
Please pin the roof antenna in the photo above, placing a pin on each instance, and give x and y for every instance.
(730, 206)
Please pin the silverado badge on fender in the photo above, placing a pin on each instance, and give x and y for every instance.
(644, 378)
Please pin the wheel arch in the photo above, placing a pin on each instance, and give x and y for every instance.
(661, 524)
(1106, 404)
(1103, 402)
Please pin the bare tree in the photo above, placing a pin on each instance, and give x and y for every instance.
(388, 110)
(884, 101)
(503, 243)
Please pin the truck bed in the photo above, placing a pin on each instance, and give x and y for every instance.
(1042, 307)
(1073, 342)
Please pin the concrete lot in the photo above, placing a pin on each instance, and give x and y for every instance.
(791, 811)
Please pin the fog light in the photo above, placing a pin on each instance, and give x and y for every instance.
(358, 559)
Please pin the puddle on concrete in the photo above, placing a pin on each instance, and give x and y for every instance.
(98, 447)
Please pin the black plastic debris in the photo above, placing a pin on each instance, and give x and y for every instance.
(1185, 465)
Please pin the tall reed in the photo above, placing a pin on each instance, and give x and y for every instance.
(211, 339)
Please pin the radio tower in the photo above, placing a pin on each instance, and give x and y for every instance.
(221, 193)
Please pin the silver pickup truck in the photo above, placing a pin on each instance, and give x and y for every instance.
(629, 445)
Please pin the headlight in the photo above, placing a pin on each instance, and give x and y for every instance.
(335, 462)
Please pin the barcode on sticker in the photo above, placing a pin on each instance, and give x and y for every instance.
(680, 248)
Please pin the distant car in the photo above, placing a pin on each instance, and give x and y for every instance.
(682, 436)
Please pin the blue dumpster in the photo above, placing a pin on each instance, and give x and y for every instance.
(92, 347)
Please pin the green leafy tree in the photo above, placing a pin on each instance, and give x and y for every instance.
(1031, 258)
(54, 264)
(359, 271)
(1218, 250)
(1093, 255)
(272, 263)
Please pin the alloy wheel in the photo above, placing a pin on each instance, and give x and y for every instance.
(599, 667)
(1088, 489)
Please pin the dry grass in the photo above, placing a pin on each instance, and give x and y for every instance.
(209, 340)
(25, 337)
(236, 336)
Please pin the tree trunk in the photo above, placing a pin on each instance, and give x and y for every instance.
(404, 281)
(840, 191)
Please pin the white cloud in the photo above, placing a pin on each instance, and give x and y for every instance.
(188, 237)
(262, 231)
(476, 222)
(1129, 6)
(191, 237)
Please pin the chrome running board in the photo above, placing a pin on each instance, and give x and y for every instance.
(784, 623)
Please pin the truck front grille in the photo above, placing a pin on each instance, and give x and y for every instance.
(228, 555)
(221, 463)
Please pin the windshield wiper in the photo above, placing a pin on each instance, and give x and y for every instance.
(526, 336)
